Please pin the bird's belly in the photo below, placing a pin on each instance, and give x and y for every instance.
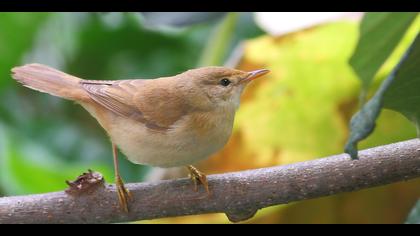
(171, 148)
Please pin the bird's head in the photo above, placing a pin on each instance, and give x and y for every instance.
(219, 87)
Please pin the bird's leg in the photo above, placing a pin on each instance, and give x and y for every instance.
(198, 177)
(123, 194)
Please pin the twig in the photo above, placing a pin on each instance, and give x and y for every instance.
(239, 194)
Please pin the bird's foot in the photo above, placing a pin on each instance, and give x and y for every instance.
(198, 177)
(124, 195)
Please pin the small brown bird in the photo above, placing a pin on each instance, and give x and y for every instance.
(164, 122)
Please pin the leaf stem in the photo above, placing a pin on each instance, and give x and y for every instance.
(218, 42)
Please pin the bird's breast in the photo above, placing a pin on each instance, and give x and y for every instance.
(194, 137)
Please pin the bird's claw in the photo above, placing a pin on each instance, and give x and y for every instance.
(198, 177)
(124, 194)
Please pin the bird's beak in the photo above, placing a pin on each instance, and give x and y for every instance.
(255, 74)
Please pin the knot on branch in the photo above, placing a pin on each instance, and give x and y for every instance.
(85, 183)
(240, 215)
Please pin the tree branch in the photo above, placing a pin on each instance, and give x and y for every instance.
(239, 194)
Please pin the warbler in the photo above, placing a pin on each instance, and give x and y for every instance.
(163, 122)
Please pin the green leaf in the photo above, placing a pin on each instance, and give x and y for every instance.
(414, 216)
(379, 35)
(403, 94)
(398, 92)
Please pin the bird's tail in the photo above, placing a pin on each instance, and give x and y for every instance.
(48, 80)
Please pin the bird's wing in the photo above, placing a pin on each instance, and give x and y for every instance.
(153, 106)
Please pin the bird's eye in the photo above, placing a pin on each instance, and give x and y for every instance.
(224, 82)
